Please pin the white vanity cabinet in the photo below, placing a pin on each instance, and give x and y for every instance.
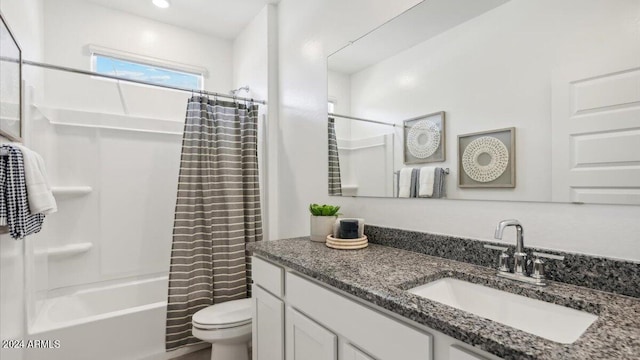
(378, 335)
(297, 318)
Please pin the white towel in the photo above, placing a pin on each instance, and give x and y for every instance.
(39, 194)
(404, 182)
(427, 177)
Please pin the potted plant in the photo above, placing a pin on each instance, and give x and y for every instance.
(322, 219)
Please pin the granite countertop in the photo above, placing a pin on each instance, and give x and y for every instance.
(380, 275)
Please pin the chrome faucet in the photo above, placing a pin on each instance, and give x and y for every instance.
(520, 263)
(519, 256)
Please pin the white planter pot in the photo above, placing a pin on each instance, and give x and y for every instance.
(321, 226)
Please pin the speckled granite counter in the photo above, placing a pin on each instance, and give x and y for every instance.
(380, 275)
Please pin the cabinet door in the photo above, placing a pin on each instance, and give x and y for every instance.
(306, 340)
(352, 353)
(268, 325)
(458, 353)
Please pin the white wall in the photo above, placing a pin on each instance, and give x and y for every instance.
(68, 34)
(251, 68)
(255, 59)
(493, 72)
(25, 19)
(309, 31)
(251, 57)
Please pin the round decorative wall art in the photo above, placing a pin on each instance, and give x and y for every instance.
(493, 150)
(423, 139)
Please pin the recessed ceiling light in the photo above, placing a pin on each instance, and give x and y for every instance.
(163, 4)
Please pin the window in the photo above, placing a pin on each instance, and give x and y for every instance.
(145, 72)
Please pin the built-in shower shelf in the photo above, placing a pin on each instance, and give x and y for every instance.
(71, 191)
(68, 250)
(349, 190)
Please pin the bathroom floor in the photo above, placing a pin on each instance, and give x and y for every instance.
(204, 354)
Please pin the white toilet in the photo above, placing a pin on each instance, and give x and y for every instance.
(227, 326)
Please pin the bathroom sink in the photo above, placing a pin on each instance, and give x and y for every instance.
(550, 321)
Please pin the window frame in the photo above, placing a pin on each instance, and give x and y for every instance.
(96, 51)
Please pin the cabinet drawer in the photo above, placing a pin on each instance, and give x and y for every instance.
(268, 276)
(379, 335)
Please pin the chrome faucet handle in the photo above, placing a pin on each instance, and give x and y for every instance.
(504, 259)
(548, 256)
(538, 264)
(494, 247)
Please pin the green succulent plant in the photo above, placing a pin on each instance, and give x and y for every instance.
(323, 210)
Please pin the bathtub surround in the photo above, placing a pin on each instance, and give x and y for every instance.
(217, 212)
(380, 275)
(113, 320)
(88, 142)
(610, 275)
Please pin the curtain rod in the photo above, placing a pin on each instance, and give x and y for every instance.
(113, 77)
(361, 119)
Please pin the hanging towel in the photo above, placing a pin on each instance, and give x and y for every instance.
(404, 182)
(415, 182)
(439, 183)
(14, 207)
(427, 179)
(39, 194)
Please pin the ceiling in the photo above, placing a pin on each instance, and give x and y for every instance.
(422, 22)
(219, 18)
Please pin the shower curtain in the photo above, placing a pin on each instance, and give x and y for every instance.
(335, 186)
(217, 212)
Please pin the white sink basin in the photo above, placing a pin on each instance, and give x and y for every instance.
(550, 321)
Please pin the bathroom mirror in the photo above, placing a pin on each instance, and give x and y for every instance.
(539, 101)
(10, 84)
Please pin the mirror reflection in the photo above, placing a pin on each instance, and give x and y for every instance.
(535, 100)
(10, 84)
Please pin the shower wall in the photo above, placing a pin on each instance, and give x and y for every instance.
(112, 149)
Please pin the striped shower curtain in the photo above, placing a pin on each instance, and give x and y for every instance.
(335, 186)
(217, 212)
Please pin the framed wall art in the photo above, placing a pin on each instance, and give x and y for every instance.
(10, 84)
(487, 159)
(424, 139)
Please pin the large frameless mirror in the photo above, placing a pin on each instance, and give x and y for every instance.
(10, 84)
(522, 100)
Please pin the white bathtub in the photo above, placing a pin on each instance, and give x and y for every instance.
(113, 322)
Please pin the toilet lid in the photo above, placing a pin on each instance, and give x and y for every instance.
(227, 314)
